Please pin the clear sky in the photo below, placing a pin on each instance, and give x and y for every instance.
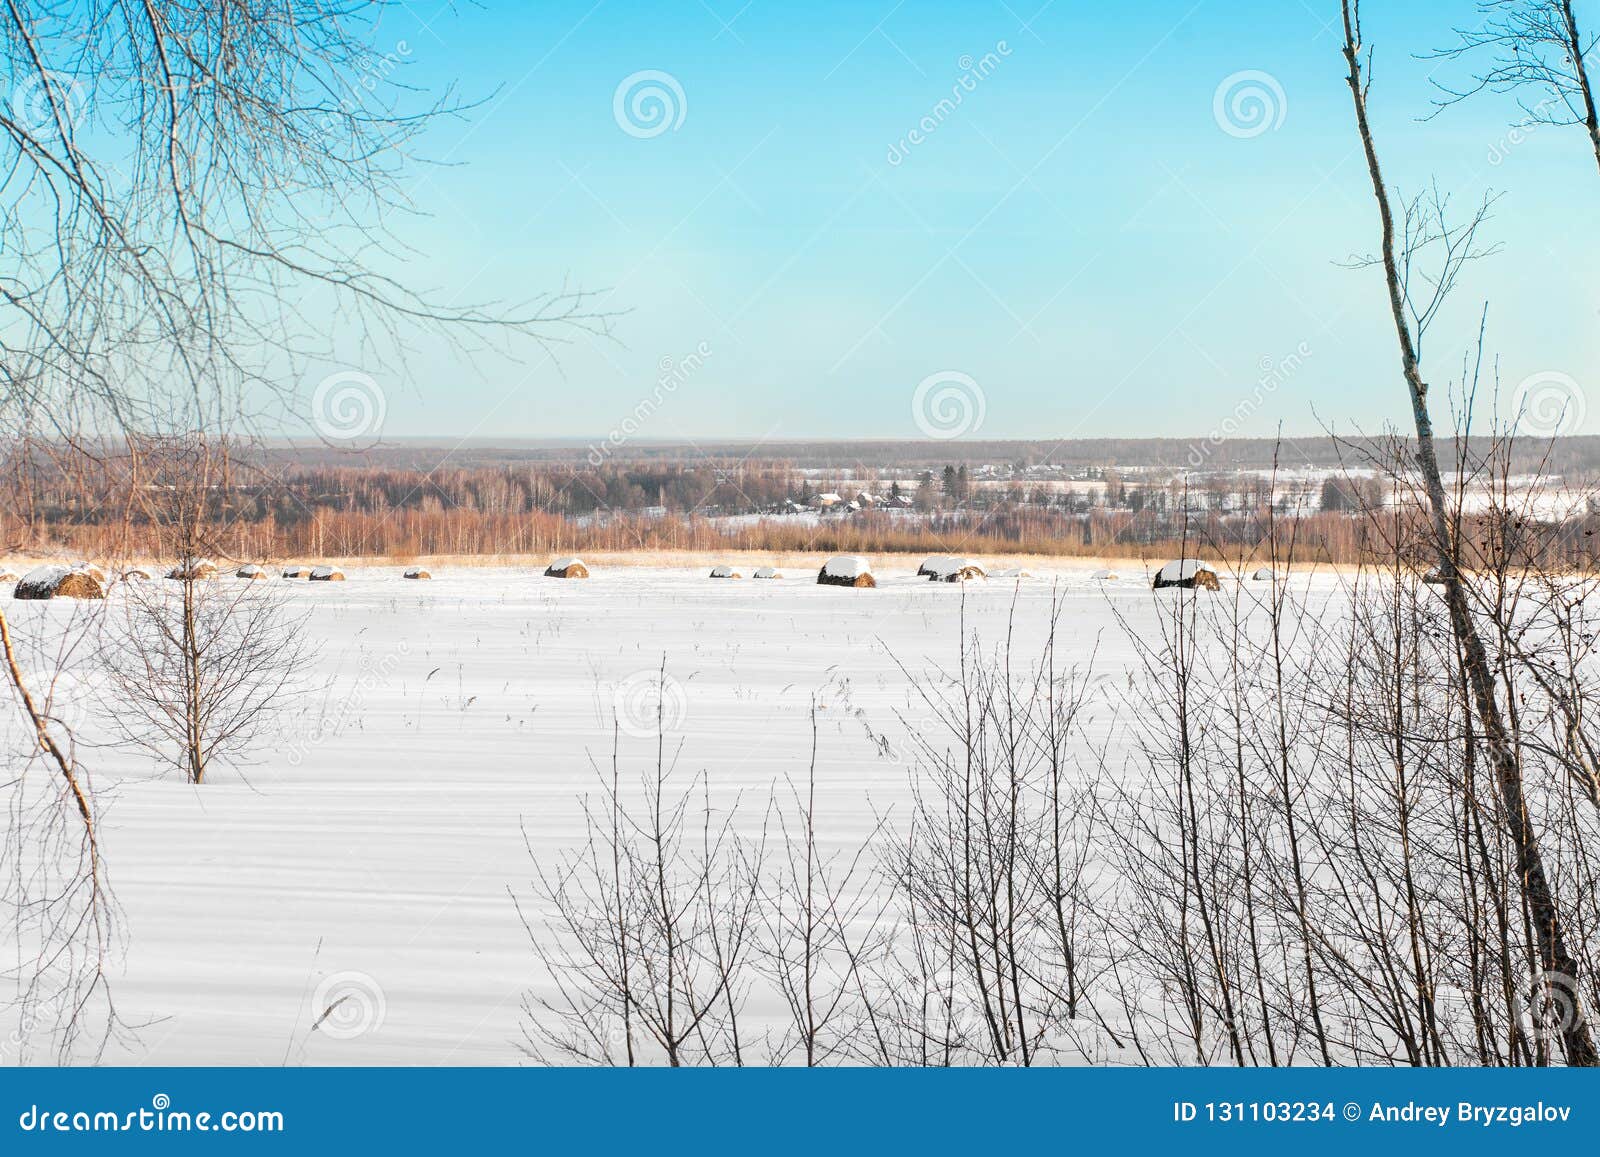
(1089, 236)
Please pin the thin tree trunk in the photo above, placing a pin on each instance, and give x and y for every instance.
(1555, 958)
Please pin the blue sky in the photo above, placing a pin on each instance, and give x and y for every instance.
(1080, 238)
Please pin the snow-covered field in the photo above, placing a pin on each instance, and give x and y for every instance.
(382, 833)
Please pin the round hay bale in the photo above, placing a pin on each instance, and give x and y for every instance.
(1187, 574)
(250, 571)
(725, 572)
(1263, 575)
(90, 569)
(846, 570)
(136, 574)
(1015, 572)
(935, 566)
(193, 569)
(1104, 576)
(966, 572)
(58, 582)
(298, 571)
(326, 574)
(567, 568)
(767, 572)
(416, 572)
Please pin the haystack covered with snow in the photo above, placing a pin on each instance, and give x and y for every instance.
(190, 569)
(846, 570)
(416, 572)
(326, 574)
(298, 571)
(90, 569)
(950, 568)
(1263, 575)
(1104, 576)
(566, 568)
(136, 574)
(767, 572)
(726, 572)
(250, 571)
(1014, 572)
(58, 582)
(1187, 573)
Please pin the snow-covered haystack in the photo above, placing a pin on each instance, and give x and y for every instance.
(725, 572)
(566, 568)
(1013, 572)
(190, 569)
(1187, 573)
(58, 582)
(90, 569)
(298, 571)
(7, 575)
(416, 572)
(326, 574)
(767, 572)
(846, 570)
(1104, 576)
(950, 568)
(1263, 575)
(1435, 577)
(250, 571)
(136, 574)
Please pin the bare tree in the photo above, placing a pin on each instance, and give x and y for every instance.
(1556, 958)
(1538, 52)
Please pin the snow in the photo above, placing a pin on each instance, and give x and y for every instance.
(846, 566)
(1181, 570)
(381, 830)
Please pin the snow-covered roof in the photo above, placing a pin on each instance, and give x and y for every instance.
(846, 566)
(826, 499)
(1182, 569)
